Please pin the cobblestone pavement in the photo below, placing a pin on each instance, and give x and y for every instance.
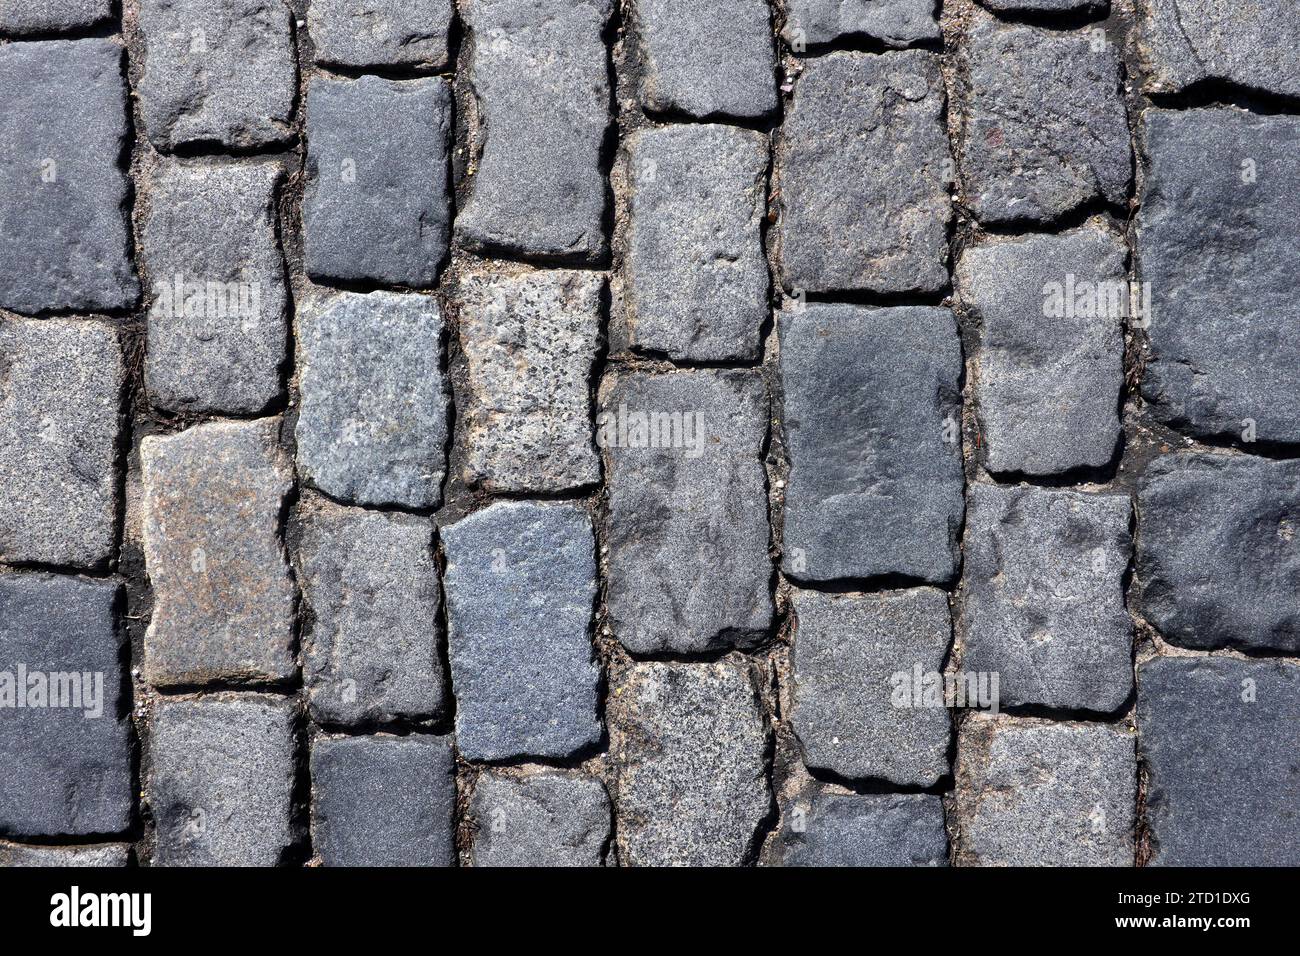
(617, 432)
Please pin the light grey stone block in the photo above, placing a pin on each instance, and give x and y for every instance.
(362, 33)
(545, 819)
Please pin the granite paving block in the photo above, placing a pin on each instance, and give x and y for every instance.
(894, 22)
(838, 829)
(97, 855)
(24, 17)
(545, 819)
(380, 33)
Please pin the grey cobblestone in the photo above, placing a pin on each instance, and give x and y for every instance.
(99, 855)
(545, 819)
(836, 829)
(896, 22)
(361, 33)
(22, 17)
(1046, 6)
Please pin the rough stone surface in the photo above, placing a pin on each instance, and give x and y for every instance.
(834, 829)
(377, 206)
(217, 72)
(100, 855)
(223, 595)
(1050, 369)
(373, 423)
(1046, 6)
(688, 566)
(65, 755)
(216, 326)
(542, 820)
(220, 777)
(1216, 240)
(1218, 738)
(530, 339)
(361, 33)
(1047, 131)
(539, 74)
(688, 742)
(521, 586)
(384, 801)
(63, 227)
(60, 420)
(896, 22)
(1218, 563)
(21, 17)
(371, 651)
(871, 420)
(1044, 596)
(867, 126)
(1033, 793)
(695, 284)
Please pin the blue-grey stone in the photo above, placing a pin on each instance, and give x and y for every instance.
(544, 819)
(384, 33)
(835, 829)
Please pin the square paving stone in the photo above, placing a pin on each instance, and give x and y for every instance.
(221, 773)
(384, 801)
(863, 170)
(521, 587)
(63, 131)
(1047, 6)
(836, 829)
(1218, 738)
(688, 565)
(60, 420)
(545, 819)
(695, 283)
(1044, 596)
(65, 751)
(1033, 793)
(99, 855)
(895, 22)
(377, 206)
(223, 595)
(539, 74)
(361, 33)
(1217, 560)
(872, 429)
(20, 17)
(1216, 240)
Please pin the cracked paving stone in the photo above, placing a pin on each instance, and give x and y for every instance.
(60, 421)
(1050, 369)
(217, 72)
(216, 326)
(835, 829)
(65, 751)
(696, 280)
(688, 565)
(384, 801)
(373, 423)
(1216, 239)
(1047, 130)
(1033, 793)
(1218, 739)
(371, 651)
(362, 33)
(849, 650)
(1044, 596)
(690, 747)
(223, 595)
(872, 428)
(530, 339)
(895, 22)
(63, 225)
(539, 76)
(545, 819)
(521, 586)
(99, 855)
(870, 127)
(220, 779)
(1217, 560)
(377, 206)
(21, 17)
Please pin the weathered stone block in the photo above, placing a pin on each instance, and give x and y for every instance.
(545, 819)
(20, 17)
(833, 829)
(895, 22)
(361, 33)
(98, 855)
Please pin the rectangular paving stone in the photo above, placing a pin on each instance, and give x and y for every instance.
(688, 565)
(538, 70)
(372, 427)
(520, 580)
(98, 855)
(688, 742)
(544, 819)
(1044, 596)
(217, 73)
(1034, 793)
(1218, 739)
(216, 326)
(1050, 369)
(21, 17)
(863, 170)
(849, 650)
(221, 772)
(695, 281)
(370, 33)
(872, 430)
(65, 751)
(384, 801)
(841, 829)
(63, 191)
(1216, 239)
(530, 340)
(60, 421)
(1217, 561)
(370, 652)
(377, 206)
(223, 595)
(895, 22)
